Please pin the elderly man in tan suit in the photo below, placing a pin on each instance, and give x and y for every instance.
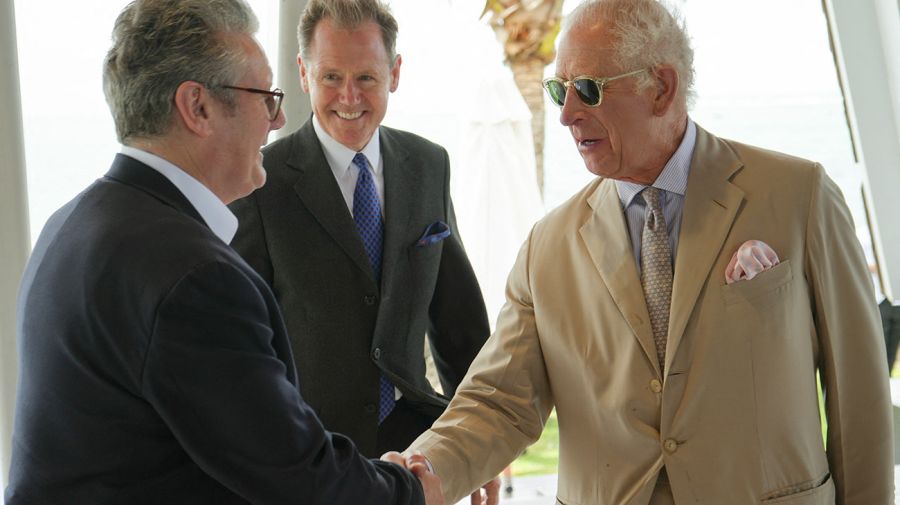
(677, 310)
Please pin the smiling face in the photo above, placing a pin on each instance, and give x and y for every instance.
(349, 76)
(623, 137)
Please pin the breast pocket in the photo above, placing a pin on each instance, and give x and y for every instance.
(425, 261)
(763, 289)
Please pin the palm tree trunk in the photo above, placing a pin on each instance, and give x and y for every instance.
(528, 75)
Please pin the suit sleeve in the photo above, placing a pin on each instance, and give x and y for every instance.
(250, 239)
(503, 402)
(457, 315)
(213, 375)
(851, 352)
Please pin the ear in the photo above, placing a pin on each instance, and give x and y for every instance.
(666, 91)
(395, 73)
(304, 76)
(193, 101)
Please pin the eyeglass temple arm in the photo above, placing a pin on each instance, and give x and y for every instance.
(627, 74)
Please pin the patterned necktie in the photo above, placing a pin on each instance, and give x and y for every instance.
(367, 216)
(656, 271)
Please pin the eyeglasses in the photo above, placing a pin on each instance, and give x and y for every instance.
(589, 89)
(273, 101)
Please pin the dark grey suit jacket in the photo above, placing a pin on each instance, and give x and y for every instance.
(155, 368)
(345, 330)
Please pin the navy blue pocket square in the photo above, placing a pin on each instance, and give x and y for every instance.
(435, 232)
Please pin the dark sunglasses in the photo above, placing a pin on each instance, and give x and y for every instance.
(589, 89)
(273, 101)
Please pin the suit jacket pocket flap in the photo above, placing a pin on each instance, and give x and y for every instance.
(815, 492)
(764, 284)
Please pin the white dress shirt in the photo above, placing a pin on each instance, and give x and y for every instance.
(340, 159)
(215, 213)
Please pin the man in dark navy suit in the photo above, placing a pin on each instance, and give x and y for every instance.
(155, 367)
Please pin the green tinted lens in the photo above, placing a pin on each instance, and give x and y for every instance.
(588, 90)
(556, 90)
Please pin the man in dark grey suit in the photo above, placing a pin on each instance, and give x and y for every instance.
(359, 296)
(155, 366)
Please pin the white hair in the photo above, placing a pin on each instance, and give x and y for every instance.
(645, 34)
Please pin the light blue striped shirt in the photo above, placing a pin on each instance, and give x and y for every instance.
(673, 183)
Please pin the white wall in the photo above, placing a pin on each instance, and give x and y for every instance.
(867, 39)
(14, 241)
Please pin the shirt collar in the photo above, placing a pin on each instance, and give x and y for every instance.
(220, 220)
(340, 157)
(674, 175)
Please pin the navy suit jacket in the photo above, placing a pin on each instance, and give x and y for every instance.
(155, 368)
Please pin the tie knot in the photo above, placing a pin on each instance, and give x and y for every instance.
(360, 161)
(651, 197)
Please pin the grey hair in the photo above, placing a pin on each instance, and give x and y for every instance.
(347, 14)
(645, 34)
(159, 44)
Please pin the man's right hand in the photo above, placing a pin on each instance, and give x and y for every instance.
(489, 494)
(431, 483)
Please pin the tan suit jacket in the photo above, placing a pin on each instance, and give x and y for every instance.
(735, 418)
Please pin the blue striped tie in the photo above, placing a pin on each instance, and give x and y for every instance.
(367, 215)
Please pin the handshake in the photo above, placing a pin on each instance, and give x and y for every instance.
(416, 463)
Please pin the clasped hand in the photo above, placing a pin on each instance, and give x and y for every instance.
(416, 463)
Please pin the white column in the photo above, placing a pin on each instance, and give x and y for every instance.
(867, 50)
(296, 102)
(14, 237)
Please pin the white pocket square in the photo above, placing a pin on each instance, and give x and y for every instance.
(751, 258)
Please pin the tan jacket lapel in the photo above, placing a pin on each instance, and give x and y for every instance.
(606, 238)
(710, 207)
